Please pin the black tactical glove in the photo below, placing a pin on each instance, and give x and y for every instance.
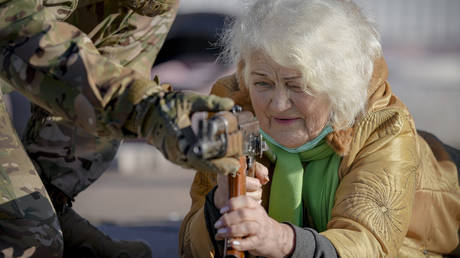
(164, 120)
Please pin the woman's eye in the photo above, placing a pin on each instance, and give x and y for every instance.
(262, 84)
(296, 88)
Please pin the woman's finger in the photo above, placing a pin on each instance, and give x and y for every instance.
(256, 195)
(245, 244)
(238, 230)
(241, 202)
(261, 173)
(244, 213)
(235, 217)
(252, 184)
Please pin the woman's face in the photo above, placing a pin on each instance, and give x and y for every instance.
(285, 112)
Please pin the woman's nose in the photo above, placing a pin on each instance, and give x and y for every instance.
(280, 100)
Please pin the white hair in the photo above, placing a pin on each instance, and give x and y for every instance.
(330, 41)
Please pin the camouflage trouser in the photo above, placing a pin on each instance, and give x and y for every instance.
(28, 223)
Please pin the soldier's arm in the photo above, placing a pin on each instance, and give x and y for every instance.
(58, 67)
(132, 38)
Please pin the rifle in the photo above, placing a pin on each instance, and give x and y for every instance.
(232, 134)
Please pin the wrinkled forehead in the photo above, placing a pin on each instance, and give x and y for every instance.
(260, 62)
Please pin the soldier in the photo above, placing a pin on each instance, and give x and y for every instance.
(86, 67)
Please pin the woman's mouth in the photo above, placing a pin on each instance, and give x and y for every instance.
(285, 121)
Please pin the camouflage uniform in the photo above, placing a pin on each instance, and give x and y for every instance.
(84, 63)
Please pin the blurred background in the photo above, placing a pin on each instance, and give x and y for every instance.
(143, 196)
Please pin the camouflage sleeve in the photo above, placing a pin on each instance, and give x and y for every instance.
(130, 38)
(59, 67)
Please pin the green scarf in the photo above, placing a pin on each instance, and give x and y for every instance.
(295, 188)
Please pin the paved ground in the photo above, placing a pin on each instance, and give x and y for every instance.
(162, 238)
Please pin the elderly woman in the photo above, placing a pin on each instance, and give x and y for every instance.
(348, 175)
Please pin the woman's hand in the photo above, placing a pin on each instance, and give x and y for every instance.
(261, 235)
(253, 186)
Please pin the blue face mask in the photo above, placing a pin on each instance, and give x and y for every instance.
(307, 146)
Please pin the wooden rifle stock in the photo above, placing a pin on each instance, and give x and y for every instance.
(237, 187)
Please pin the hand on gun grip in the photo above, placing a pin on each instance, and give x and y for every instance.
(166, 124)
(253, 186)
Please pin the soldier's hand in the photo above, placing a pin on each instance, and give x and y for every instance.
(167, 125)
